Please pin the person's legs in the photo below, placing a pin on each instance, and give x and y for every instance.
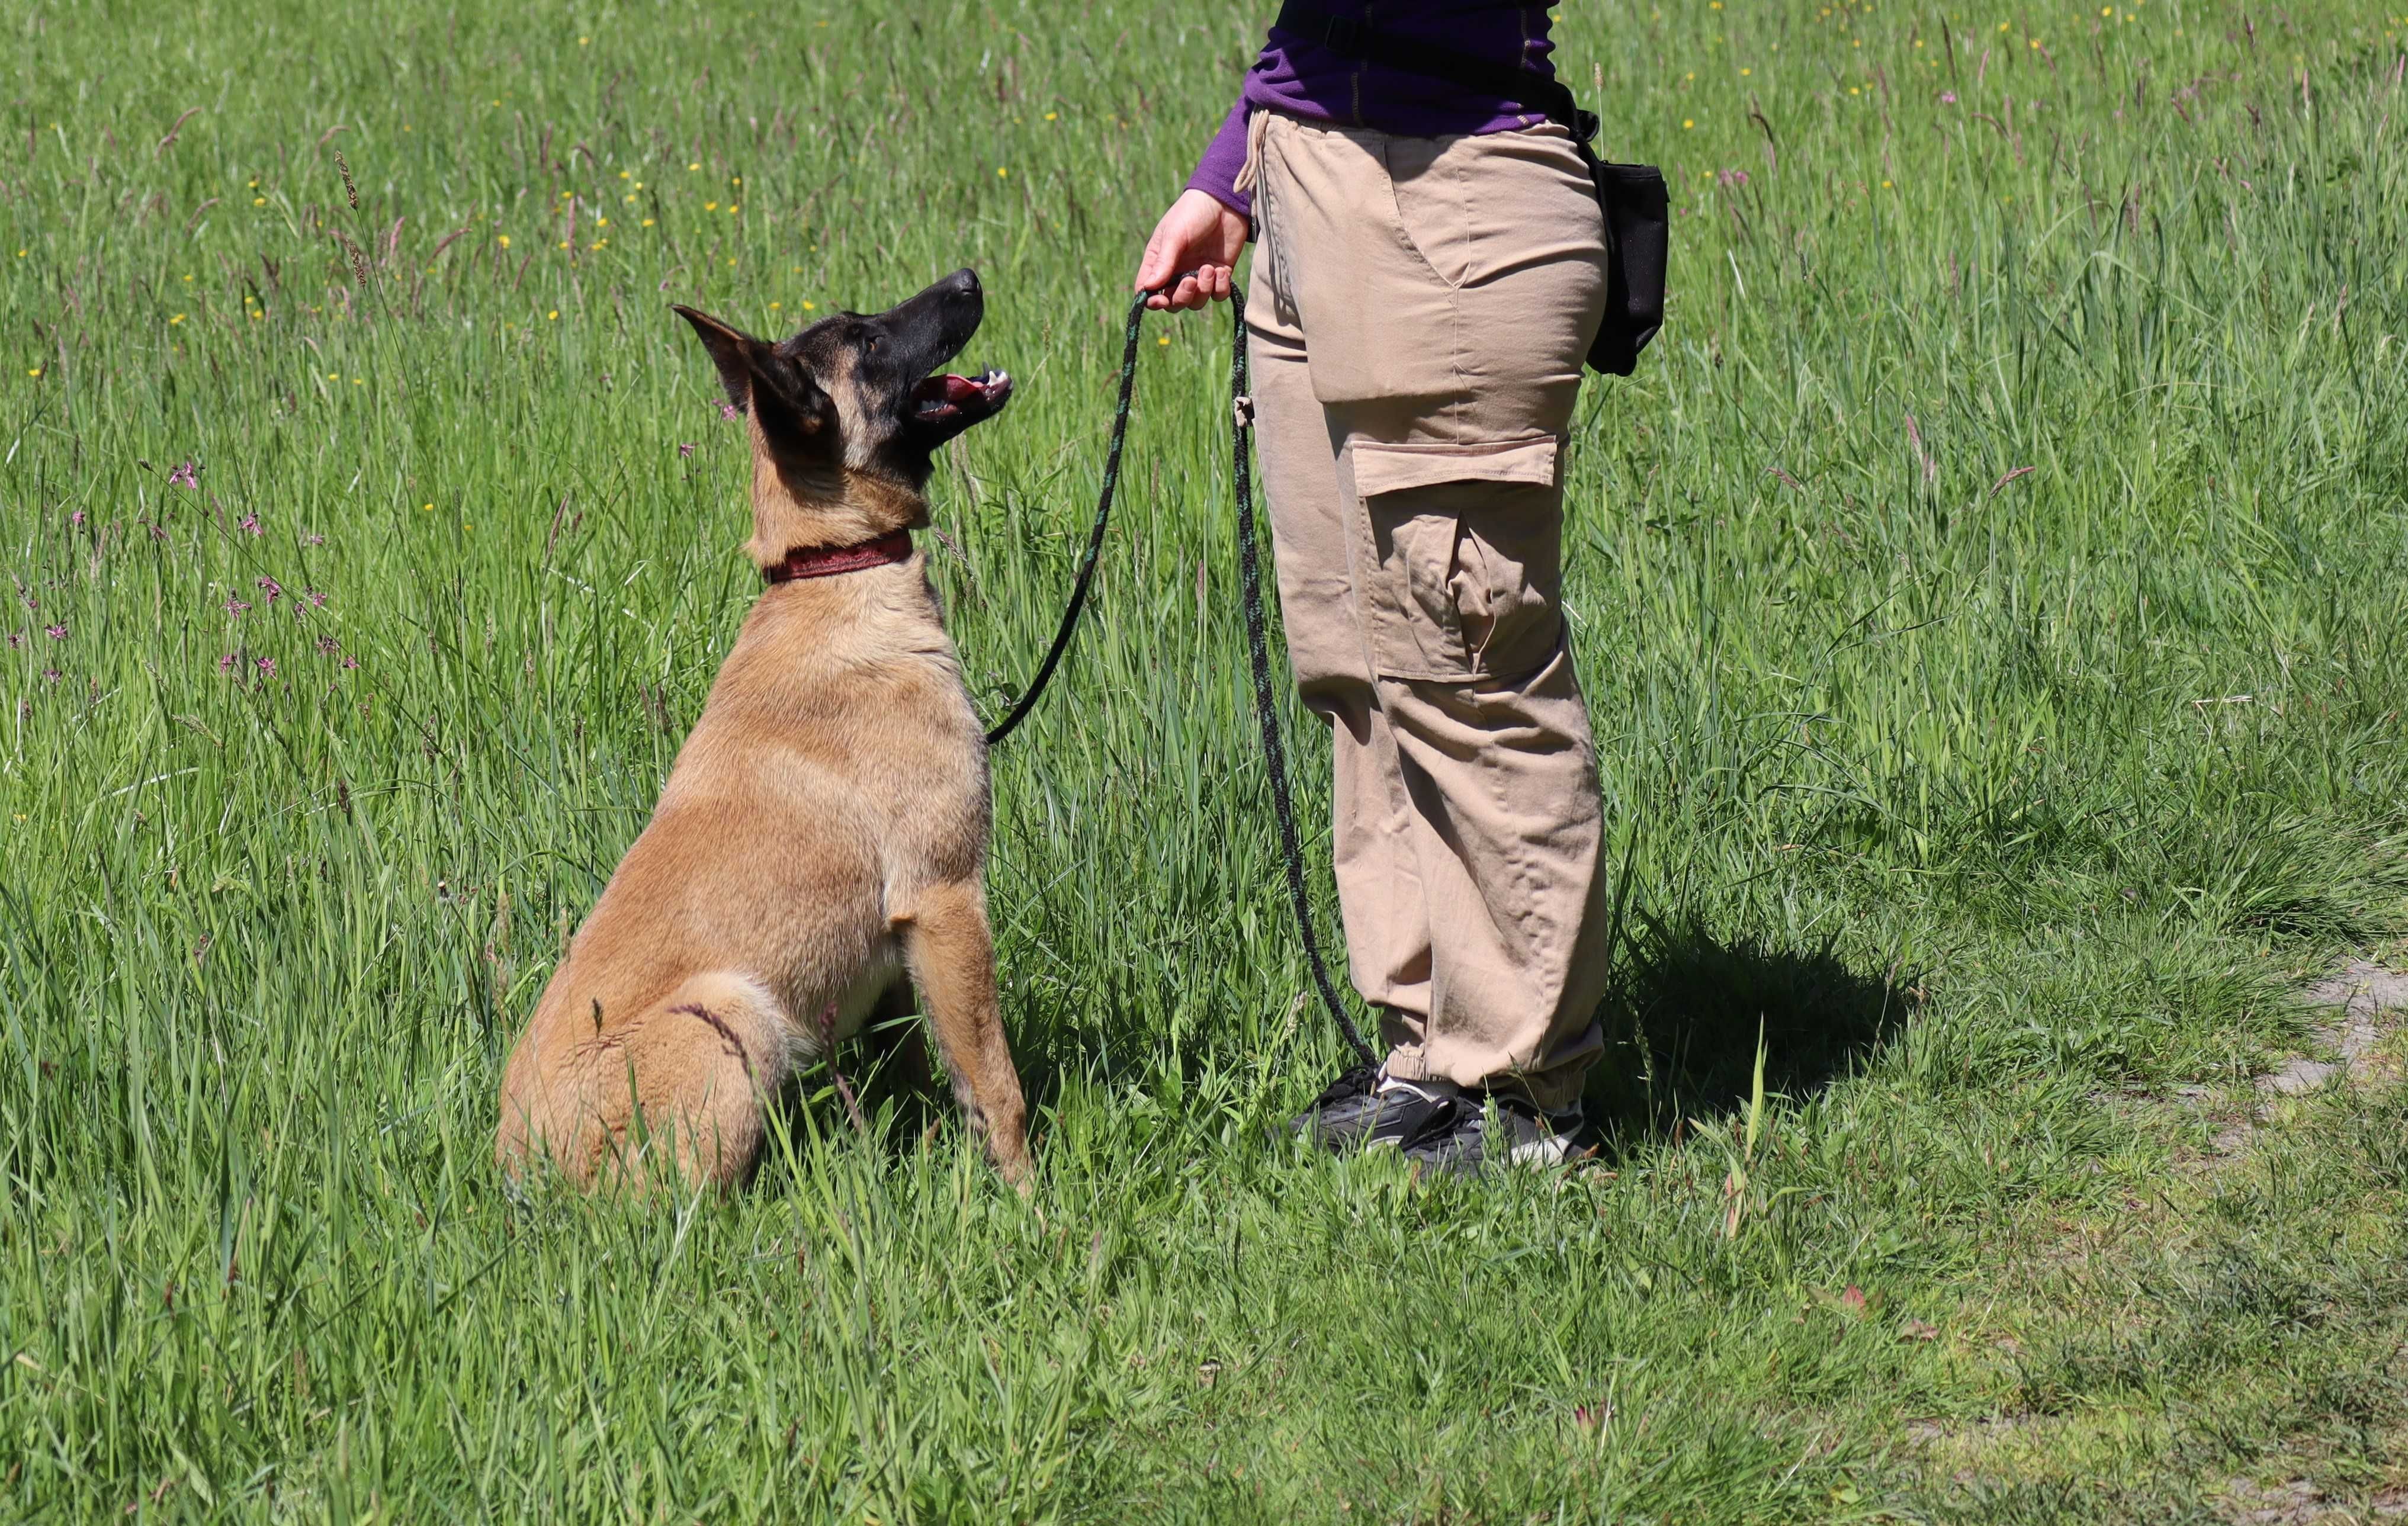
(1378, 870)
(1449, 289)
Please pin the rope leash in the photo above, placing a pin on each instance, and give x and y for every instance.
(1274, 752)
(1241, 476)
(1027, 701)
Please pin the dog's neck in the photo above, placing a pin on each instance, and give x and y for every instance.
(796, 507)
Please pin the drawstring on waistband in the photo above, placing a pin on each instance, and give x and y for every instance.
(1257, 123)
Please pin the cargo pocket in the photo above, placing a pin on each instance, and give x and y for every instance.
(1462, 547)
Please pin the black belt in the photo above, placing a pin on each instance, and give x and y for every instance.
(1352, 36)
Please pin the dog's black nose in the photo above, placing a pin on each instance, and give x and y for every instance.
(962, 282)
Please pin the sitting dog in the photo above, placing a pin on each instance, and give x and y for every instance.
(824, 827)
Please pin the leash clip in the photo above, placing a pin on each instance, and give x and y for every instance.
(1241, 410)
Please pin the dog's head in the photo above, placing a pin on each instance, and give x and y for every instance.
(859, 398)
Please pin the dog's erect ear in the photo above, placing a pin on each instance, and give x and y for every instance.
(798, 416)
(789, 404)
(731, 350)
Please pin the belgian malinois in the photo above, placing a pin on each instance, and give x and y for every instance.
(824, 827)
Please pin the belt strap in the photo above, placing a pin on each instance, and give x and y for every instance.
(1352, 36)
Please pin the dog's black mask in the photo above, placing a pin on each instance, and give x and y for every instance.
(863, 392)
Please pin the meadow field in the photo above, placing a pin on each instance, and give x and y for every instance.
(1988, 593)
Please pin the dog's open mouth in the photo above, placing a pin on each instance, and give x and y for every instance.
(955, 401)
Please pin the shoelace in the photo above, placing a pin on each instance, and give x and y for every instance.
(1350, 1084)
(1439, 1115)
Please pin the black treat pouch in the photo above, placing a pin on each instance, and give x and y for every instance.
(1638, 233)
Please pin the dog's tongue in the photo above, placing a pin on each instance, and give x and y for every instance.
(948, 389)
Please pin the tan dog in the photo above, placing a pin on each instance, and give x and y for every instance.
(826, 824)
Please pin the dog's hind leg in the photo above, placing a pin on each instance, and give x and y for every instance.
(945, 941)
(696, 1072)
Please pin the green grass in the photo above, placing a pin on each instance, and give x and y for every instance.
(2002, 804)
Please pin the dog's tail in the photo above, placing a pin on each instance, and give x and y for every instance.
(682, 1084)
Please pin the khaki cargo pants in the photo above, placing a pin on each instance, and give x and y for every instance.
(1419, 314)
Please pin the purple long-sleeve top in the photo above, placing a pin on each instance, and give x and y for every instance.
(1306, 80)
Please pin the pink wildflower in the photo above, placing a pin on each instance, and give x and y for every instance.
(317, 600)
(685, 451)
(313, 538)
(15, 640)
(186, 475)
(328, 646)
(351, 662)
(266, 667)
(56, 633)
(729, 410)
(227, 663)
(51, 674)
(250, 522)
(1947, 97)
(273, 589)
(237, 607)
(75, 519)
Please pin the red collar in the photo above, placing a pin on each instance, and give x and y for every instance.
(827, 561)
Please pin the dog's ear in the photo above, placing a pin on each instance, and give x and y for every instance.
(789, 404)
(731, 350)
(798, 416)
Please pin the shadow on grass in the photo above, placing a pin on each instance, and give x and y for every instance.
(1680, 1022)
(1682, 1018)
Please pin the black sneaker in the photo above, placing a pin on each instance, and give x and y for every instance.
(1344, 1112)
(1442, 1127)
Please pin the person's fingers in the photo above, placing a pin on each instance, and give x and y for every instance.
(1155, 265)
(1218, 281)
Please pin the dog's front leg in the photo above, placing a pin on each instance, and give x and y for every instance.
(946, 943)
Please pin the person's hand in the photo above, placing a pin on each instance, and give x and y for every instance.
(1200, 238)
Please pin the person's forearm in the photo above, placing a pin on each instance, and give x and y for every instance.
(1217, 175)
